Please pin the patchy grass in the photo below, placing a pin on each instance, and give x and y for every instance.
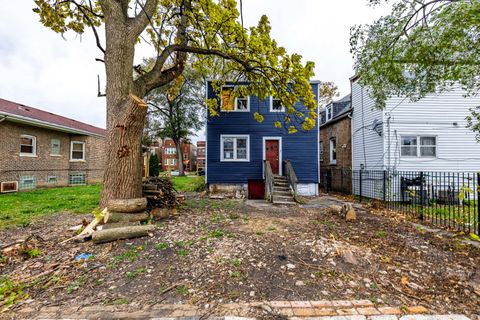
(189, 183)
(20, 209)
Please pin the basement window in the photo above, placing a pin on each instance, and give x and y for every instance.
(27, 182)
(77, 179)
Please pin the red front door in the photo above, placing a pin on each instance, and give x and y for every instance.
(272, 154)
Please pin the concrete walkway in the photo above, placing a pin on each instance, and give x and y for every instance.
(322, 310)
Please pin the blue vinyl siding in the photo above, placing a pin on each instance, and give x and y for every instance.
(300, 148)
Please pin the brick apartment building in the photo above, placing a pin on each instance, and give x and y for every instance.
(42, 149)
(336, 145)
(170, 159)
(201, 155)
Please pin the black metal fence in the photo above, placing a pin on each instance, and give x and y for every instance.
(448, 199)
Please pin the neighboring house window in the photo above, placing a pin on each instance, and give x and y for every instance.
(426, 148)
(170, 161)
(329, 113)
(170, 151)
(55, 147)
(76, 179)
(185, 156)
(321, 151)
(333, 151)
(52, 179)
(231, 103)
(235, 148)
(276, 105)
(27, 182)
(77, 151)
(28, 145)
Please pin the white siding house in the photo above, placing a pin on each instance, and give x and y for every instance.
(428, 135)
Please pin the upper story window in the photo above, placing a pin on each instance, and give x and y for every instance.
(231, 103)
(412, 148)
(170, 151)
(276, 105)
(329, 113)
(333, 151)
(235, 148)
(28, 145)
(55, 147)
(77, 151)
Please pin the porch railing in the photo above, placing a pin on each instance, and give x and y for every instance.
(291, 177)
(267, 169)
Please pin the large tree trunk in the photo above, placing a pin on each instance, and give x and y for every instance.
(126, 112)
(181, 170)
(123, 171)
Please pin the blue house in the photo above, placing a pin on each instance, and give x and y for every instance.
(257, 159)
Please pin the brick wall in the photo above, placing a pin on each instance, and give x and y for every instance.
(341, 131)
(43, 164)
(188, 156)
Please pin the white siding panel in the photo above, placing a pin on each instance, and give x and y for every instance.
(367, 145)
(435, 115)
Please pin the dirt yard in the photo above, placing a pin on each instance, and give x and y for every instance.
(220, 251)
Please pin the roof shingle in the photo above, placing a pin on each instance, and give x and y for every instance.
(20, 110)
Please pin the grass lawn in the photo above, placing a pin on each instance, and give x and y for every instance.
(189, 183)
(19, 209)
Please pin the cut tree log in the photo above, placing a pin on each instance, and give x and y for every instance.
(108, 235)
(127, 217)
(127, 205)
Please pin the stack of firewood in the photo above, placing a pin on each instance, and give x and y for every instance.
(159, 192)
(122, 220)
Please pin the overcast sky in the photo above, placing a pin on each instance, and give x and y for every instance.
(41, 69)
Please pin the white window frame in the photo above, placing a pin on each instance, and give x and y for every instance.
(59, 148)
(83, 150)
(419, 145)
(329, 113)
(34, 146)
(235, 103)
(330, 149)
(271, 105)
(235, 137)
(170, 150)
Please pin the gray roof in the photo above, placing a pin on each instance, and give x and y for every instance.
(340, 108)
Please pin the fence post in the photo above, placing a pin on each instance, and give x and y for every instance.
(421, 195)
(384, 186)
(477, 186)
(360, 187)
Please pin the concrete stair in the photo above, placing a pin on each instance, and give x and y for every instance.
(282, 195)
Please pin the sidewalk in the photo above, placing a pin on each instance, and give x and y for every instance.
(324, 310)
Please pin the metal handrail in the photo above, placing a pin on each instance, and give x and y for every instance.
(268, 180)
(291, 178)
